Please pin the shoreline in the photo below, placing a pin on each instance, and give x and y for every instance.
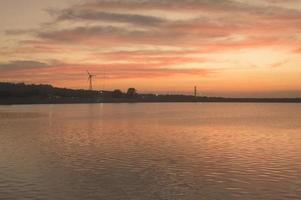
(22, 101)
(22, 94)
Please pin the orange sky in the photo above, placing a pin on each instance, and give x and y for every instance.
(225, 47)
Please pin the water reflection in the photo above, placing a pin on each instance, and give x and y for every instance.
(151, 151)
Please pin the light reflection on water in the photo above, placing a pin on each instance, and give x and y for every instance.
(151, 151)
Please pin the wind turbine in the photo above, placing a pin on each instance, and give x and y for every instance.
(90, 78)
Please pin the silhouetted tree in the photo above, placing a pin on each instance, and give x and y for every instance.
(117, 94)
(132, 92)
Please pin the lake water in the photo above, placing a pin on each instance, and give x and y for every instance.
(186, 151)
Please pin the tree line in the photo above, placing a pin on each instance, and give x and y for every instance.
(12, 90)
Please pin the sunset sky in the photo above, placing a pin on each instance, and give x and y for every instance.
(225, 47)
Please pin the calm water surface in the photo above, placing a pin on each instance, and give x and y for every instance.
(151, 151)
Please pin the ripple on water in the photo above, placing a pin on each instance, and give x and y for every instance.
(151, 151)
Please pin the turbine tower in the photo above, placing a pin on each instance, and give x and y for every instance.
(90, 78)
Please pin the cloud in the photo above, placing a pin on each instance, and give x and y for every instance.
(220, 20)
(279, 64)
(280, 1)
(217, 6)
(22, 64)
(111, 35)
(298, 51)
(133, 38)
(76, 72)
(20, 31)
(163, 4)
(96, 15)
